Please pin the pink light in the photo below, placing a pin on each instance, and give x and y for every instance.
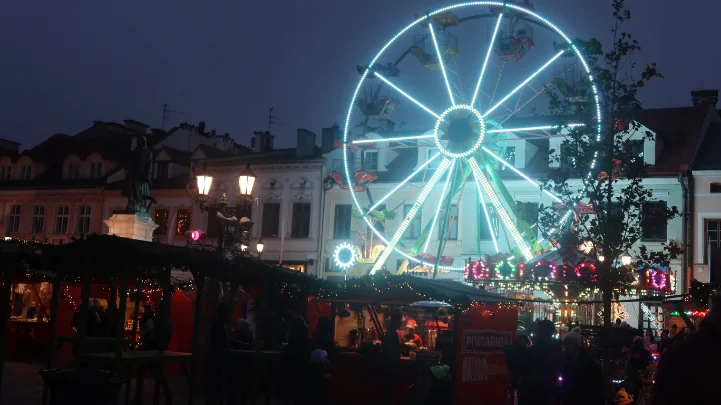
(195, 235)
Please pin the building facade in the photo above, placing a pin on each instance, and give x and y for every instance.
(288, 199)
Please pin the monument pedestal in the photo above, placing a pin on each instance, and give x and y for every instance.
(133, 226)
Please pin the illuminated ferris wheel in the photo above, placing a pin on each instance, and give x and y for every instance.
(468, 128)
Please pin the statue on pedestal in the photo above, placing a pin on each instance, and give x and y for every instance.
(140, 172)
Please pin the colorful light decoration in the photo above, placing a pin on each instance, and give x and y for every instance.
(370, 72)
(344, 255)
(504, 270)
(585, 269)
(544, 271)
(586, 247)
(656, 278)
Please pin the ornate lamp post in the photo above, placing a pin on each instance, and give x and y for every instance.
(227, 221)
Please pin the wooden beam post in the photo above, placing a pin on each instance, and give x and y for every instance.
(197, 322)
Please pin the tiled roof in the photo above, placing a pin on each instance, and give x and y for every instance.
(708, 154)
(178, 182)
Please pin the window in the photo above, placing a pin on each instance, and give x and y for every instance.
(510, 156)
(414, 228)
(300, 225)
(654, 221)
(485, 232)
(635, 148)
(96, 170)
(271, 220)
(429, 154)
(568, 157)
(715, 188)
(341, 221)
(160, 217)
(162, 172)
(62, 216)
(451, 228)
(38, 223)
(73, 170)
(713, 237)
(5, 172)
(14, 219)
(370, 160)
(182, 221)
(26, 172)
(528, 212)
(82, 220)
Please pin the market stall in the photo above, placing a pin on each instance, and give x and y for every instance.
(439, 317)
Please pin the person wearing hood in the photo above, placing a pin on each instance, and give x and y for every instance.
(689, 371)
(582, 377)
(545, 362)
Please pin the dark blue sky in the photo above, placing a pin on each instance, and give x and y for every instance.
(66, 63)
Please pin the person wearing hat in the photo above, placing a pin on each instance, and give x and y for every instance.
(582, 378)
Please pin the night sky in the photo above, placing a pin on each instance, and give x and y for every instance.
(67, 63)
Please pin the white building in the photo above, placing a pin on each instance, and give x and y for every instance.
(679, 134)
(289, 199)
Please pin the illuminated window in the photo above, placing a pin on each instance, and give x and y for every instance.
(182, 222)
(160, 217)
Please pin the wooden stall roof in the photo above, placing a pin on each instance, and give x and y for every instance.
(109, 254)
(384, 288)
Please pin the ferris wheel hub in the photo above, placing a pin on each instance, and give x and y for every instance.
(459, 131)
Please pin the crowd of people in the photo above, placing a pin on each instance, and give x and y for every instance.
(306, 362)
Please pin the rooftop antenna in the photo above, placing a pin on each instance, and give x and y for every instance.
(167, 113)
(271, 118)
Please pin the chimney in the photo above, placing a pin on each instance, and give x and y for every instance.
(262, 141)
(328, 138)
(201, 127)
(704, 96)
(305, 146)
(136, 126)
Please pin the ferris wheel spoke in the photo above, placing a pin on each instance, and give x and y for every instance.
(529, 129)
(396, 88)
(401, 184)
(440, 62)
(485, 61)
(440, 204)
(503, 214)
(525, 82)
(520, 173)
(445, 163)
(394, 139)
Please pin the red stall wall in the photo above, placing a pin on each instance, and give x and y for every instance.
(482, 335)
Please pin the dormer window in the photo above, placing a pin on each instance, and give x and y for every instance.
(26, 172)
(96, 170)
(5, 172)
(162, 170)
(370, 160)
(73, 171)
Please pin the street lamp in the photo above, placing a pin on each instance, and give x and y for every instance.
(626, 259)
(229, 220)
(259, 246)
(246, 181)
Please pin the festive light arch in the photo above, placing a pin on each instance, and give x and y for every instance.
(342, 250)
